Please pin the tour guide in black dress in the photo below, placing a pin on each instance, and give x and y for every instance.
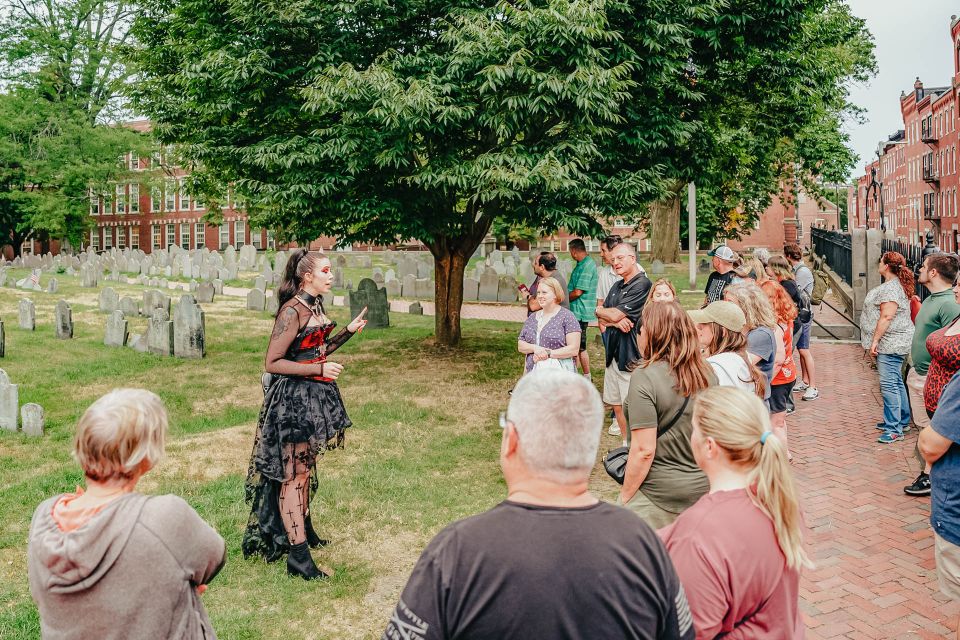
(302, 415)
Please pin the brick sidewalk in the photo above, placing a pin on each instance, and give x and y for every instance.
(872, 545)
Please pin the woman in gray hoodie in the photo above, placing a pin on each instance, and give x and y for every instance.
(109, 563)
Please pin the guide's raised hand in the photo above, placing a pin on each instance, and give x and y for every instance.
(358, 323)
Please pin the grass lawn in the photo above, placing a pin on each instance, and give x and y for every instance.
(422, 452)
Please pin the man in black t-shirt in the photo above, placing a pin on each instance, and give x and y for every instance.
(551, 561)
(723, 259)
(620, 316)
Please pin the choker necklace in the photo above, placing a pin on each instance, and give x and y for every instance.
(314, 303)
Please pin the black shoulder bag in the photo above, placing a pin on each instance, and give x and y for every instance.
(615, 461)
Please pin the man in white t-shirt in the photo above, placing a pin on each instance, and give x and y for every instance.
(606, 277)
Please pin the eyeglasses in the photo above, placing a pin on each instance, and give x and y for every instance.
(624, 257)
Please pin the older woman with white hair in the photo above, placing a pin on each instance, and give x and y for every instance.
(739, 549)
(550, 337)
(107, 562)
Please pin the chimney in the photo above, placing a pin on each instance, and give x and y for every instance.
(918, 89)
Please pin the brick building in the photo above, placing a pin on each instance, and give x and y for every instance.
(779, 224)
(917, 166)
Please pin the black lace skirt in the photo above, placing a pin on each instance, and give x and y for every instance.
(300, 419)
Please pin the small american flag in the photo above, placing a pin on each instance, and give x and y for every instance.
(35, 277)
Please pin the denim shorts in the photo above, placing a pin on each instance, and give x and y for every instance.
(804, 341)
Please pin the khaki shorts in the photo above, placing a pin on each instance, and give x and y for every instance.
(653, 515)
(915, 383)
(948, 567)
(616, 384)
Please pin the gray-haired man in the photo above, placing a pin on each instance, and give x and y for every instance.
(551, 561)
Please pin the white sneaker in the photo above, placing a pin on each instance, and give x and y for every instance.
(614, 429)
(811, 394)
(587, 376)
(800, 386)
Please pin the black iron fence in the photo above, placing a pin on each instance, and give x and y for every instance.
(836, 249)
(914, 255)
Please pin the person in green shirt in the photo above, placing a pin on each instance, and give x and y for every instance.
(583, 291)
(937, 273)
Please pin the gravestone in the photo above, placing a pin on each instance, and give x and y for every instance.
(657, 268)
(153, 299)
(526, 272)
(704, 266)
(27, 314)
(393, 288)
(471, 289)
(415, 309)
(3, 340)
(256, 301)
(160, 333)
(489, 286)
(9, 402)
(138, 342)
(3, 276)
(337, 278)
(409, 286)
(424, 288)
(63, 320)
(116, 332)
(390, 275)
(272, 304)
(51, 286)
(507, 290)
(218, 286)
(129, 306)
(205, 292)
(280, 262)
(424, 270)
(378, 278)
(499, 268)
(89, 276)
(375, 300)
(109, 300)
(260, 283)
(189, 333)
(31, 419)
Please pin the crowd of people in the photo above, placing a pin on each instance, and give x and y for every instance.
(706, 540)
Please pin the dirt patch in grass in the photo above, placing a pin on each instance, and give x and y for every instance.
(203, 457)
(245, 395)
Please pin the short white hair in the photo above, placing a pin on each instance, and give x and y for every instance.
(558, 416)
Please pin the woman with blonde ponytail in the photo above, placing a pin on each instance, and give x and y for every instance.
(739, 549)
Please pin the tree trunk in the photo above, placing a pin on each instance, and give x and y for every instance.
(665, 229)
(450, 262)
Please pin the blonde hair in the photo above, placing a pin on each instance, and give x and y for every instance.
(737, 420)
(119, 432)
(663, 282)
(759, 270)
(781, 268)
(755, 304)
(554, 285)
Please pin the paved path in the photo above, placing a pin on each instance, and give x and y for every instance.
(872, 545)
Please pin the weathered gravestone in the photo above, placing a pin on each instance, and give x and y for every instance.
(51, 286)
(189, 332)
(129, 306)
(153, 299)
(409, 286)
(272, 304)
(218, 286)
(63, 320)
(205, 292)
(260, 283)
(160, 333)
(138, 342)
(89, 275)
(109, 300)
(375, 300)
(27, 315)
(471, 289)
(415, 309)
(507, 289)
(256, 301)
(3, 340)
(378, 278)
(9, 402)
(424, 288)
(31, 419)
(656, 268)
(393, 288)
(116, 332)
(489, 286)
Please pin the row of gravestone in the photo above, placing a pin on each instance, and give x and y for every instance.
(30, 414)
(183, 335)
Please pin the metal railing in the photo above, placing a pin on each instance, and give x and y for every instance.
(836, 248)
(914, 255)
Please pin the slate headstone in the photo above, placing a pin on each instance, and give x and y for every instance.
(424, 288)
(129, 306)
(256, 301)
(160, 333)
(507, 289)
(51, 286)
(260, 283)
(189, 329)
(9, 402)
(115, 334)
(409, 286)
(63, 320)
(375, 300)
(31, 419)
(109, 300)
(415, 309)
(471, 289)
(205, 292)
(27, 314)
(656, 268)
(272, 303)
(489, 286)
(393, 288)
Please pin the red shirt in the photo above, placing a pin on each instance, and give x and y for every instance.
(944, 362)
(788, 370)
(735, 576)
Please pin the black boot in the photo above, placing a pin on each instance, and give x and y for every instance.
(313, 540)
(300, 563)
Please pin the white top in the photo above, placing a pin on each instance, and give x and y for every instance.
(732, 371)
(605, 281)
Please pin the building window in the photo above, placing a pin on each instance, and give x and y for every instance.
(134, 198)
(185, 235)
(121, 200)
(94, 204)
(134, 237)
(271, 241)
(256, 238)
(224, 235)
(107, 238)
(134, 161)
(95, 239)
(200, 235)
(122, 237)
(239, 232)
(155, 236)
(171, 235)
(170, 196)
(107, 203)
(156, 198)
(184, 197)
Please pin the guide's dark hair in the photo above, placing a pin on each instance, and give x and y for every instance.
(946, 264)
(612, 240)
(299, 264)
(548, 261)
(577, 244)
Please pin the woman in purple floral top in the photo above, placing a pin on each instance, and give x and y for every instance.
(550, 338)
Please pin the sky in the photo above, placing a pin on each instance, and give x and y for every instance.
(912, 39)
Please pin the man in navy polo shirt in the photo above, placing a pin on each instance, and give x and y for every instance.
(940, 446)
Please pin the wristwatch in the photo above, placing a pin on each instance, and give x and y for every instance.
(549, 353)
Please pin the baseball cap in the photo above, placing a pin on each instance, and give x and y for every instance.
(724, 252)
(726, 314)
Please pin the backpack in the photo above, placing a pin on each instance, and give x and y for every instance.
(820, 287)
